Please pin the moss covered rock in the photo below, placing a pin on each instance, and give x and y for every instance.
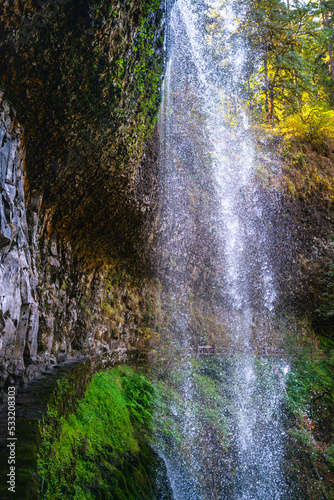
(84, 77)
(102, 450)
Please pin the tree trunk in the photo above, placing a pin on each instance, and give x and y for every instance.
(325, 22)
(331, 69)
(266, 84)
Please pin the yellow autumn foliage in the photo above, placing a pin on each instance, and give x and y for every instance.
(314, 123)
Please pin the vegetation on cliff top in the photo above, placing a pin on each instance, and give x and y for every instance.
(290, 78)
(288, 88)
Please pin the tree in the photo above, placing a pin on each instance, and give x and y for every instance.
(286, 67)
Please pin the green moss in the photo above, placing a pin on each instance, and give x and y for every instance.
(101, 450)
(305, 169)
(209, 409)
(330, 456)
(312, 379)
(310, 404)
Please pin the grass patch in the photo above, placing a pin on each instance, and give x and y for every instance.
(311, 384)
(101, 450)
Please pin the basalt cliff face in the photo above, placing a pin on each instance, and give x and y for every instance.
(80, 92)
(54, 304)
(84, 78)
(296, 186)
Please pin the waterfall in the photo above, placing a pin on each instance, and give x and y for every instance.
(213, 249)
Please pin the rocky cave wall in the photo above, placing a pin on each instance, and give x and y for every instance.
(80, 91)
(53, 304)
(84, 77)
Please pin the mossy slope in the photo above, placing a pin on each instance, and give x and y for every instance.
(102, 450)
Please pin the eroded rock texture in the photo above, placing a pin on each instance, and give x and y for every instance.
(84, 77)
(18, 279)
(79, 186)
(54, 305)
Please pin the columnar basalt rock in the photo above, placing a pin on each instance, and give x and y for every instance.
(54, 305)
(18, 281)
(79, 177)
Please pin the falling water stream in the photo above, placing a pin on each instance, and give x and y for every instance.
(205, 141)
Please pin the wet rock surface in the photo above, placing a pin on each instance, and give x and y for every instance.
(19, 307)
(85, 81)
(78, 178)
(54, 305)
